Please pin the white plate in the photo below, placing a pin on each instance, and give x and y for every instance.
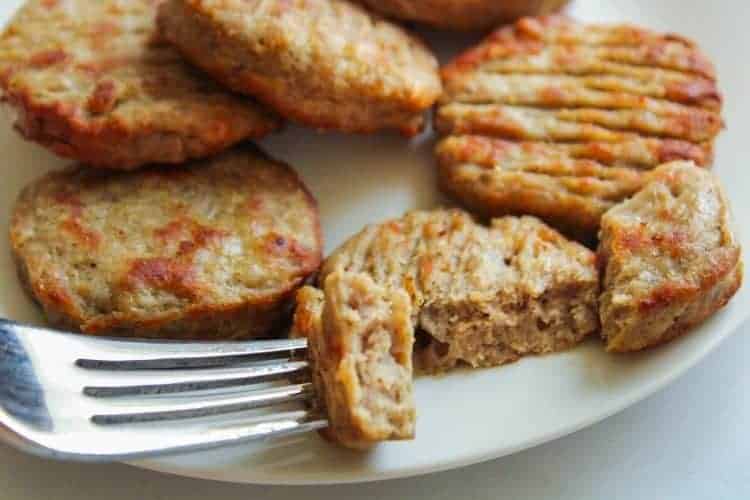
(465, 417)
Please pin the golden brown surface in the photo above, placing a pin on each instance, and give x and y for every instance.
(328, 64)
(360, 347)
(485, 295)
(464, 14)
(562, 120)
(209, 250)
(91, 81)
(669, 257)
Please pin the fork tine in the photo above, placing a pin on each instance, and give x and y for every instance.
(299, 423)
(196, 381)
(69, 446)
(192, 355)
(172, 411)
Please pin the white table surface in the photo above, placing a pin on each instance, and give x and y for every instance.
(690, 441)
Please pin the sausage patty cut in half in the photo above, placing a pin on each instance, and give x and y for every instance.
(205, 251)
(562, 120)
(481, 295)
(669, 257)
(328, 64)
(360, 346)
(92, 82)
(464, 14)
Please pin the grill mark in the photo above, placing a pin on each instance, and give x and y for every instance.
(583, 68)
(545, 182)
(387, 240)
(541, 163)
(537, 156)
(630, 92)
(635, 153)
(570, 56)
(409, 276)
(606, 190)
(356, 261)
(459, 235)
(369, 258)
(396, 238)
(557, 28)
(599, 124)
(557, 97)
(431, 235)
(461, 257)
(628, 180)
(661, 108)
(581, 215)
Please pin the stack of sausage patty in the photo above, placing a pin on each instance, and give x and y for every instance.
(212, 248)
(209, 249)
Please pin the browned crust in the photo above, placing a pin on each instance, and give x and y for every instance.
(575, 218)
(687, 324)
(688, 275)
(84, 124)
(528, 35)
(249, 318)
(111, 144)
(568, 185)
(683, 327)
(563, 120)
(262, 317)
(650, 152)
(461, 15)
(199, 41)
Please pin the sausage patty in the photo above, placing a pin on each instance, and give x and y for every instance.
(669, 256)
(562, 120)
(481, 295)
(329, 64)
(209, 250)
(91, 81)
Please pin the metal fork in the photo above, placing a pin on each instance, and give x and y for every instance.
(72, 397)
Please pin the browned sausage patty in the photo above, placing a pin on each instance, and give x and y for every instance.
(328, 64)
(92, 82)
(669, 256)
(561, 120)
(463, 14)
(482, 295)
(209, 250)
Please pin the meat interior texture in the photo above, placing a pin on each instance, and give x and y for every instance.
(483, 295)
(670, 258)
(361, 338)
